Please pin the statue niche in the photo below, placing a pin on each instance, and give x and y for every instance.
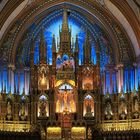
(65, 101)
(43, 83)
(88, 106)
(135, 104)
(122, 109)
(87, 83)
(108, 111)
(135, 107)
(23, 110)
(43, 110)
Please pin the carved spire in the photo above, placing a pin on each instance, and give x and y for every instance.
(87, 49)
(42, 48)
(76, 52)
(65, 36)
(53, 52)
(53, 44)
(76, 44)
(65, 21)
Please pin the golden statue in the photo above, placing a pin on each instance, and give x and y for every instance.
(42, 108)
(9, 108)
(136, 105)
(23, 109)
(72, 105)
(108, 110)
(58, 106)
(122, 108)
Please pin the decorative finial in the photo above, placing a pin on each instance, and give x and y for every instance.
(42, 47)
(65, 21)
(53, 44)
(76, 44)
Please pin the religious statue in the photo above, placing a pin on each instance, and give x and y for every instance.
(108, 110)
(42, 108)
(58, 106)
(136, 105)
(88, 110)
(72, 105)
(43, 80)
(22, 109)
(122, 107)
(9, 108)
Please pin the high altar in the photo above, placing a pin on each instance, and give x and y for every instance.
(81, 95)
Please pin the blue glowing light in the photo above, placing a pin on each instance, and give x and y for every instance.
(16, 81)
(108, 82)
(93, 54)
(21, 83)
(36, 53)
(132, 77)
(137, 75)
(81, 39)
(114, 82)
(126, 81)
(5, 80)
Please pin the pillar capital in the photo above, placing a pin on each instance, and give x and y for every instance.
(12, 66)
(120, 65)
(26, 69)
(135, 64)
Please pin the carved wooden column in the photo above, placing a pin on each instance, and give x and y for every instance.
(1, 80)
(52, 105)
(18, 87)
(80, 106)
(135, 76)
(16, 107)
(11, 69)
(104, 82)
(98, 107)
(3, 106)
(34, 108)
(111, 82)
(0, 106)
(26, 80)
(28, 110)
(120, 77)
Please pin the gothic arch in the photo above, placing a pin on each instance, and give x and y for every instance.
(88, 7)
